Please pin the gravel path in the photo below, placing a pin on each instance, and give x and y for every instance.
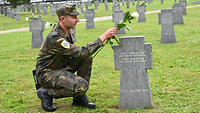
(81, 21)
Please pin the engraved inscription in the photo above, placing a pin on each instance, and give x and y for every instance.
(128, 57)
(167, 18)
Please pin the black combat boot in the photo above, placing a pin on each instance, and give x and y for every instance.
(83, 101)
(46, 100)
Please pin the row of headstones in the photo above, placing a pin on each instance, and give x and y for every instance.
(9, 12)
(170, 17)
(13, 13)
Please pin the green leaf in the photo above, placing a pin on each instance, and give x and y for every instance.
(120, 26)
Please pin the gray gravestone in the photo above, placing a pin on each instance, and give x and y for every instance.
(38, 7)
(89, 16)
(138, 1)
(184, 5)
(33, 8)
(133, 59)
(52, 11)
(29, 8)
(96, 4)
(122, 2)
(161, 1)
(117, 16)
(106, 4)
(24, 8)
(17, 18)
(127, 3)
(1, 10)
(8, 12)
(82, 6)
(166, 18)
(37, 26)
(141, 9)
(178, 13)
(12, 14)
(45, 8)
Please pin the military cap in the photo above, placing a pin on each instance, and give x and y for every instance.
(67, 9)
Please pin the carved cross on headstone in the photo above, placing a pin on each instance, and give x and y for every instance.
(133, 59)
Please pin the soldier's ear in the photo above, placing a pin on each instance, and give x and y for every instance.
(62, 18)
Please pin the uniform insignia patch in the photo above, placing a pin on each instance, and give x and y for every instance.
(65, 44)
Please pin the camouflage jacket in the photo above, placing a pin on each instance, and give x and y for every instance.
(58, 49)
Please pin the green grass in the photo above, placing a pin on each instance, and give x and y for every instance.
(174, 79)
(8, 23)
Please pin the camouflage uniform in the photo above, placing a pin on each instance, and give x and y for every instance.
(59, 59)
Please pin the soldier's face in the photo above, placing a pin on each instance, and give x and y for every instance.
(70, 21)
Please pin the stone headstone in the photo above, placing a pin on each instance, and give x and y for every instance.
(197, 2)
(24, 8)
(33, 8)
(8, 12)
(133, 59)
(96, 4)
(122, 2)
(141, 9)
(127, 3)
(28, 8)
(106, 4)
(1, 10)
(37, 26)
(52, 11)
(133, 2)
(38, 7)
(17, 18)
(12, 14)
(82, 6)
(166, 19)
(184, 5)
(117, 16)
(177, 8)
(161, 1)
(101, 1)
(90, 15)
(45, 8)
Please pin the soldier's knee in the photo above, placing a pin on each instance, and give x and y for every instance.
(81, 86)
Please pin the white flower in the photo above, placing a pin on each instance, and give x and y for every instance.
(47, 24)
(27, 19)
(135, 14)
(146, 4)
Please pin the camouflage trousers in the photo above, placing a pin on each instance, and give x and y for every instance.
(64, 83)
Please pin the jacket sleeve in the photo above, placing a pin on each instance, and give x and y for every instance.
(61, 47)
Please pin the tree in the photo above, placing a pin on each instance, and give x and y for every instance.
(14, 3)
